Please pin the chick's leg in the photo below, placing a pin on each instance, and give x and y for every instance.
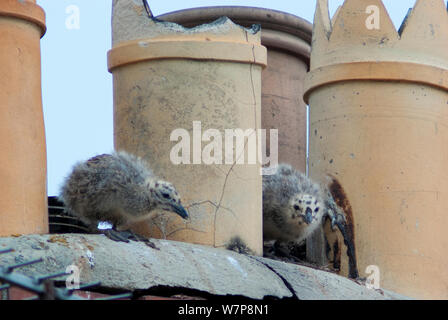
(115, 235)
(125, 232)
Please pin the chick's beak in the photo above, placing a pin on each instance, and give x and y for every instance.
(180, 210)
(308, 215)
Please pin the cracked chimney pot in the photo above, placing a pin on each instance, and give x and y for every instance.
(169, 80)
(23, 194)
(288, 42)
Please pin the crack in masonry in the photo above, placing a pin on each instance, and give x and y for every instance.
(236, 174)
(245, 144)
(184, 228)
(285, 282)
(213, 204)
(219, 205)
(253, 89)
(220, 200)
(253, 86)
(162, 227)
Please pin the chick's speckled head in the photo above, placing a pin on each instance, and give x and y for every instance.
(305, 208)
(167, 198)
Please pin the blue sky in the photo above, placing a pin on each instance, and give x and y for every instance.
(77, 88)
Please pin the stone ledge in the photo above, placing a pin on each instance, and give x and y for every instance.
(135, 266)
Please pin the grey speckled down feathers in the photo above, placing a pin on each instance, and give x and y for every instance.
(118, 188)
(293, 205)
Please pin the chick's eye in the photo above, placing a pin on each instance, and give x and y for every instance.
(296, 207)
(165, 195)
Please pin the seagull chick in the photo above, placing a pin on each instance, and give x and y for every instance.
(118, 188)
(293, 205)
